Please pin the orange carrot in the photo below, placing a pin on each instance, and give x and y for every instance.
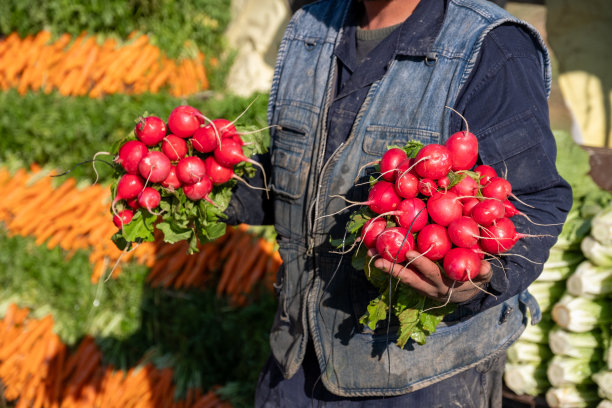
(81, 85)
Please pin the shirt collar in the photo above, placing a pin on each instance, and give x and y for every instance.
(415, 36)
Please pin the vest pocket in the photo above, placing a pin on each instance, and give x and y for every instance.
(379, 138)
(291, 150)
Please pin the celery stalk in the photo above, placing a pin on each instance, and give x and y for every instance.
(570, 396)
(522, 351)
(585, 345)
(590, 280)
(526, 379)
(564, 371)
(579, 314)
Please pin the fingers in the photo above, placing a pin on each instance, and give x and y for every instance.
(410, 275)
(426, 277)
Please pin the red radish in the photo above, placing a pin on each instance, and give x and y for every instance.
(498, 188)
(154, 167)
(461, 264)
(433, 161)
(199, 190)
(174, 147)
(133, 203)
(486, 173)
(433, 242)
(427, 187)
(225, 127)
(229, 153)
(407, 185)
(389, 162)
(444, 207)
(466, 187)
(476, 248)
(510, 210)
(150, 130)
(411, 214)
(444, 182)
(468, 204)
(218, 174)
(464, 232)
(238, 139)
(464, 150)
(393, 243)
(463, 146)
(371, 230)
(407, 166)
(128, 187)
(499, 237)
(124, 217)
(184, 120)
(149, 198)
(130, 154)
(382, 197)
(487, 211)
(190, 170)
(205, 139)
(172, 182)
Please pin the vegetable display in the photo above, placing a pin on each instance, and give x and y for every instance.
(40, 371)
(430, 199)
(82, 66)
(176, 176)
(573, 294)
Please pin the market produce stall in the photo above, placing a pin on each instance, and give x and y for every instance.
(562, 360)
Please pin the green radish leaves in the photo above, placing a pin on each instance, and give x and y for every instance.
(417, 315)
(141, 228)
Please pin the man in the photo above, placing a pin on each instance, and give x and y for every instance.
(352, 78)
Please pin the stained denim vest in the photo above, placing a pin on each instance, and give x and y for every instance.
(320, 295)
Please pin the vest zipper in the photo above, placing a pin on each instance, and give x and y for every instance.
(312, 210)
(314, 213)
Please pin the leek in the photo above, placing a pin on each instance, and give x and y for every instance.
(590, 280)
(579, 314)
(563, 371)
(527, 352)
(596, 252)
(571, 396)
(585, 345)
(526, 379)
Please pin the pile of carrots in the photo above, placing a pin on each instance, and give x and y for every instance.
(71, 217)
(236, 262)
(79, 218)
(85, 65)
(38, 370)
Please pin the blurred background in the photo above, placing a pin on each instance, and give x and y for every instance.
(84, 325)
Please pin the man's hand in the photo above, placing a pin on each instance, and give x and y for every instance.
(426, 277)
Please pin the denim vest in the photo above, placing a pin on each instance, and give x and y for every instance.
(320, 295)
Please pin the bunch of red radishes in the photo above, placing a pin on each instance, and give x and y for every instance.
(182, 159)
(438, 204)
